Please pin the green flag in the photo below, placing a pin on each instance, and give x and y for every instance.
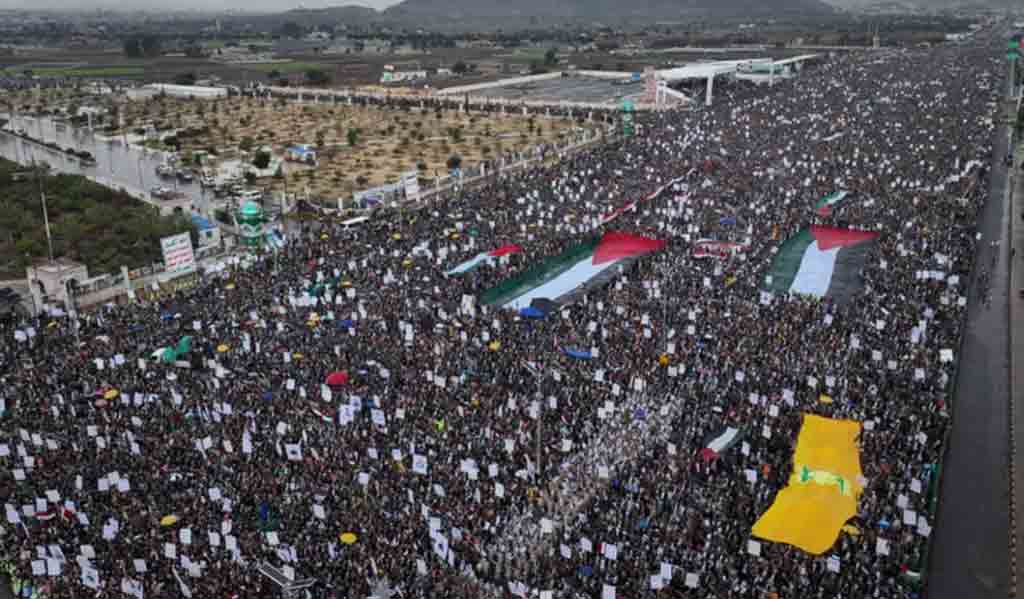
(184, 345)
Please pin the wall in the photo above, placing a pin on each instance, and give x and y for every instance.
(461, 89)
(605, 74)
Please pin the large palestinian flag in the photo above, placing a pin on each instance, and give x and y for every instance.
(824, 206)
(575, 270)
(821, 261)
(487, 257)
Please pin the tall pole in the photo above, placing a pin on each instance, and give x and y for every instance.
(46, 216)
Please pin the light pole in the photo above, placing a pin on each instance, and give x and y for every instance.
(46, 216)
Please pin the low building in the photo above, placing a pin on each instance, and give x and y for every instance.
(376, 46)
(209, 231)
(49, 282)
(391, 75)
(345, 46)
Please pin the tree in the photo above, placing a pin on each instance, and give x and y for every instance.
(291, 29)
(460, 68)
(246, 144)
(151, 46)
(261, 160)
(186, 79)
(353, 137)
(317, 77)
(132, 48)
(320, 138)
(455, 133)
(454, 161)
(551, 57)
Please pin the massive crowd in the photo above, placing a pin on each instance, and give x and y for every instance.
(424, 468)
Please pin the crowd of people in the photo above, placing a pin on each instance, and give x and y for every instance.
(344, 410)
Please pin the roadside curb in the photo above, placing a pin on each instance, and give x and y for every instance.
(1010, 183)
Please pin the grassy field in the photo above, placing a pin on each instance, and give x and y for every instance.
(524, 56)
(84, 71)
(285, 67)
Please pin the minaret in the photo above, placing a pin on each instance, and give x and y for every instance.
(876, 41)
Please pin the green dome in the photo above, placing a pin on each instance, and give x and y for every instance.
(251, 209)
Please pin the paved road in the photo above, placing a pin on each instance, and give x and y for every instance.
(969, 551)
(1017, 351)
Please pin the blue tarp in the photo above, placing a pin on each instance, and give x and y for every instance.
(579, 354)
(345, 324)
(202, 223)
(531, 312)
(727, 220)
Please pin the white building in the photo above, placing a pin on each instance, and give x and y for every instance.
(390, 75)
(177, 91)
(49, 281)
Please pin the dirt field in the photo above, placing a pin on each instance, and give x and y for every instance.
(387, 141)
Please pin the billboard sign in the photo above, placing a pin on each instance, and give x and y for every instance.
(178, 256)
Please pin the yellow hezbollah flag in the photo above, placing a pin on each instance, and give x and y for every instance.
(823, 489)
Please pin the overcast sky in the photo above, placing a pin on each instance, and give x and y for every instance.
(162, 5)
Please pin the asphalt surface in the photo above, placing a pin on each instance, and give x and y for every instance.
(969, 555)
(1017, 352)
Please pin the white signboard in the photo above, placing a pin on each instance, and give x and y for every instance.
(178, 256)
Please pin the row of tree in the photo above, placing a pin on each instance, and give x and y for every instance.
(145, 47)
